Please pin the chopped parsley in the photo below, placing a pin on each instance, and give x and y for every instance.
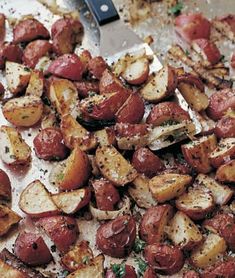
(187, 52)
(176, 10)
(60, 176)
(119, 270)
(86, 260)
(142, 266)
(169, 122)
(139, 245)
(64, 274)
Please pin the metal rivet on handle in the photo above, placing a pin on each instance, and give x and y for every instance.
(104, 8)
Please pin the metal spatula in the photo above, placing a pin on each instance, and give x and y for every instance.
(116, 40)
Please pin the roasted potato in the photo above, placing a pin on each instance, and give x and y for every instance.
(66, 33)
(13, 149)
(197, 152)
(132, 111)
(80, 255)
(5, 186)
(166, 112)
(224, 152)
(2, 27)
(105, 136)
(153, 224)
(164, 258)
(196, 203)
(71, 173)
(220, 269)
(129, 271)
(183, 232)
(167, 186)
(160, 86)
(225, 127)
(226, 172)
(96, 66)
(31, 249)
(28, 30)
(44, 205)
(17, 77)
(85, 87)
(72, 201)
(209, 251)
(140, 192)
(10, 52)
(67, 66)
(114, 166)
(146, 162)
(36, 84)
(48, 144)
(62, 230)
(75, 134)
(23, 111)
(94, 269)
(220, 102)
(34, 51)
(221, 193)
(8, 218)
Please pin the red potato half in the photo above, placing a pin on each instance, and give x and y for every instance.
(62, 230)
(226, 172)
(220, 103)
(34, 51)
(67, 66)
(153, 223)
(28, 30)
(5, 186)
(225, 127)
(31, 249)
(192, 26)
(96, 66)
(44, 205)
(10, 52)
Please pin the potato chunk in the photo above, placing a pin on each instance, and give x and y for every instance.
(8, 218)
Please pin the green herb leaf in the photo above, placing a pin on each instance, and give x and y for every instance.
(187, 52)
(64, 274)
(119, 270)
(176, 10)
(139, 245)
(86, 260)
(60, 176)
(142, 266)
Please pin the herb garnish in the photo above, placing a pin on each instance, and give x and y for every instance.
(119, 270)
(176, 10)
(139, 245)
(142, 266)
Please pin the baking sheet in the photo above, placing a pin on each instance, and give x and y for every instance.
(157, 25)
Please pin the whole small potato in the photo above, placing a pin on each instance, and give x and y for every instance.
(48, 144)
(62, 230)
(117, 237)
(28, 30)
(96, 66)
(220, 269)
(10, 52)
(164, 258)
(129, 271)
(5, 186)
(146, 162)
(106, 194)
(225, 127)
(31, 249)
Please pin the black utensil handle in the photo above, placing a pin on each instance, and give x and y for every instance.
(103, 10)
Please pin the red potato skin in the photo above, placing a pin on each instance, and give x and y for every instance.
(225, 127)
(2, 27)
(210, 50)
(129, 130)
(216, 162)
(191, 79)
(150, 273)
(117, 237)
(146, 162)
(85, 57)
(2, 89)
(28, 30)
(48, 144)
(151, 221)
(5, 186)
(106, 194)
(191, 274)
(62, 230)
(10, 52)
(220, 102)
(84, 87)
(129, 273)
(132, 110)
(67, 66)
(34, 51)
(166, 259)
(166, 111)
(220, 269)
(233, 61)
(96, 66)
(31, 249)
(192, 26)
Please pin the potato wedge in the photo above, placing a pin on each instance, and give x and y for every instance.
(17, 77)
(44, 205)
(114, 166)
(70, 202)
(197, 152)
(13, 149)
(196, 203)
(94, 269)
(63, 94)
(224, 151)
(226, 172)
(71, 173)
(183, 232)
(78, 257)
(105, 137)
(8, 218)
(140, 192)
(75, 134)
(160, 86)
(24, 111)
(167, 186)
(36, 84)
(221, 193)
(209, 251)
